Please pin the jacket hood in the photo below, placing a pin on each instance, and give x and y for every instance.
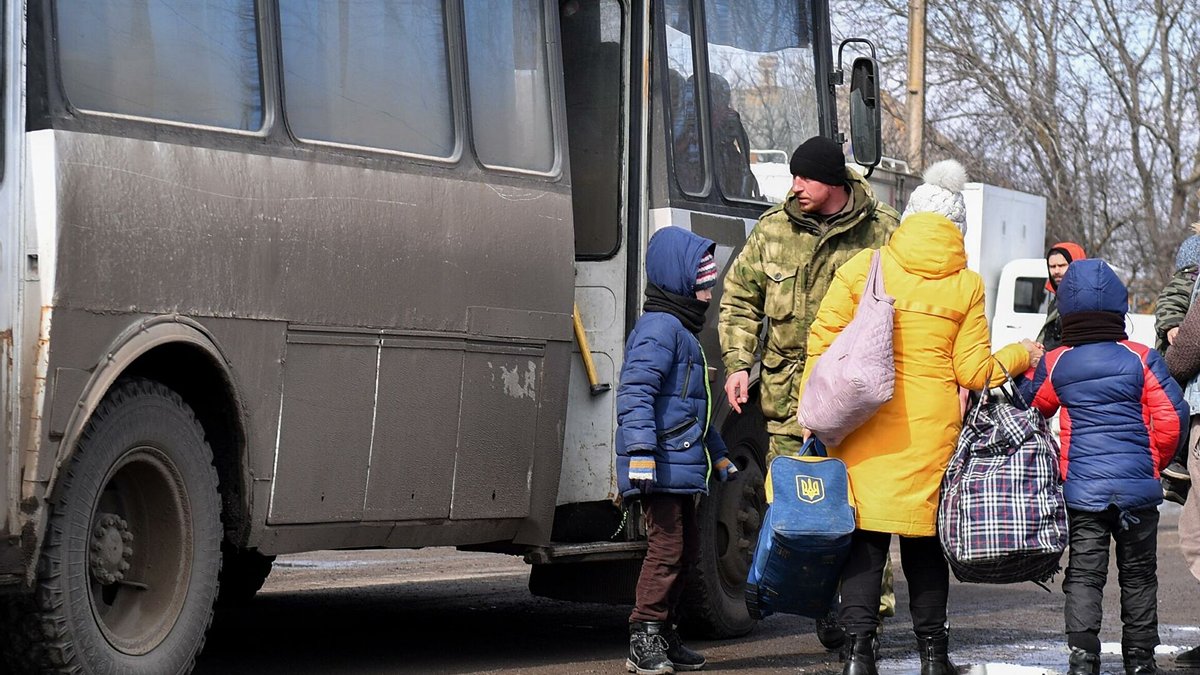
(1189, 253)
(1092, 286)
(929, 245)
(1074, 252)
(673, 257)
(861, 205)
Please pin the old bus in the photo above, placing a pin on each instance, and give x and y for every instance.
(289, 275)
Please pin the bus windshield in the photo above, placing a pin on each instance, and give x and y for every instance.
(761, 93)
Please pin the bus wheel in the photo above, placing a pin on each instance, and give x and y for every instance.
(730, 516)
(128, 572)
(243, 572)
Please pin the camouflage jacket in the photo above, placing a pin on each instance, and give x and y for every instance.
(781, 275)
(1172, 303)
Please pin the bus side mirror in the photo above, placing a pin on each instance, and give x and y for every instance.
(866, 139)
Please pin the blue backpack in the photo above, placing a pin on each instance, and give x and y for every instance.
(805, 537)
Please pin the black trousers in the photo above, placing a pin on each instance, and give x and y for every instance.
(673, 547)
(924, 566)
(1136, 535)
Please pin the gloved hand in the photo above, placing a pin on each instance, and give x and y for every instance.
(726, 470)
(641, 472)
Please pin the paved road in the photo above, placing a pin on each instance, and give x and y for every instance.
(442, 611)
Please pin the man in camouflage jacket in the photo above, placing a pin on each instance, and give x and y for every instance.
(782, 274)
(1172, 303)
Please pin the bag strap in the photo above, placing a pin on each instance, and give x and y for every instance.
(875, 277)
(813, 448)
(1013, 392)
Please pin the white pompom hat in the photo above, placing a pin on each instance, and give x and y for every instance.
(941, 193)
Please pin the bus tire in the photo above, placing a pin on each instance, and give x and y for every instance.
(128, 572)
(243, 573)
(714, 602)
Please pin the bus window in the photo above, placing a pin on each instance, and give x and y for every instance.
(509, 84)
(174, 60)
(761, 93)
(593, 73)
(685, 126)
(369, 73)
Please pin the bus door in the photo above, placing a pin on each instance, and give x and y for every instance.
(599, 39)
(12, 119)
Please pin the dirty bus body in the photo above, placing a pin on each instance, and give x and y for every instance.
(265, 292)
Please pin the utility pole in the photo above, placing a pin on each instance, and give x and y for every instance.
(916, 84)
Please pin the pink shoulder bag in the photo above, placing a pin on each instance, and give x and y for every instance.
(857, 374)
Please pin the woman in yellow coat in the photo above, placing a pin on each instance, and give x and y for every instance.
(897, 458)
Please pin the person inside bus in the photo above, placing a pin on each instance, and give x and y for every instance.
(667, 447)
(685, 132)
(732, 143)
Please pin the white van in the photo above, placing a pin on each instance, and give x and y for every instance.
(1021, 301)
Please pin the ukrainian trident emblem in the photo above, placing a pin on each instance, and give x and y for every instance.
(810, 489)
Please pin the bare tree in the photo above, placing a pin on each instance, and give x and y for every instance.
(1092, 103)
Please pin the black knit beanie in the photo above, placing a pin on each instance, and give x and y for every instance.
(820, 159)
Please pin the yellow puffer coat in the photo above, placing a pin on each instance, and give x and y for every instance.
(898, 457)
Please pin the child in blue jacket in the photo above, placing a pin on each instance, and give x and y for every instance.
(1123, 417)
(667, 448)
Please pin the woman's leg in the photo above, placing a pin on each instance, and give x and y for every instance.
(928, 578)
(861, 579)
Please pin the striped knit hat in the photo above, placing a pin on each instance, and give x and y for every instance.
(706, 274)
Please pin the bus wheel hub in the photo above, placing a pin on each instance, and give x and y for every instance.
(111, 549)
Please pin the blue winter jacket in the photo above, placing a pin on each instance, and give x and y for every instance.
(1123, 416)
(663, 400)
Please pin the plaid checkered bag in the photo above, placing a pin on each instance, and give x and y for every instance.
(1002, 517)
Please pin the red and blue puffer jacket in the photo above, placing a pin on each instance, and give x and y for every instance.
(1123, 417)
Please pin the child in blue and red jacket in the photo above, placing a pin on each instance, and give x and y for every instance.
(1123, 417)
(667, 448)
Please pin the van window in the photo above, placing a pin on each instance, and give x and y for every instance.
(1029, 295)
(176, 60)
(368, 73)
(510, 84)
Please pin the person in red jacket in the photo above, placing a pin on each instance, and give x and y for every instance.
(1058, 259)
(1123, 418)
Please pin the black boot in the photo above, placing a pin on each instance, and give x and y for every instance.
(1139, 661)
(1189, 658)
(648, 649)
(860, 654)
(680, 656)
(1084, 662)
(935, 654)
